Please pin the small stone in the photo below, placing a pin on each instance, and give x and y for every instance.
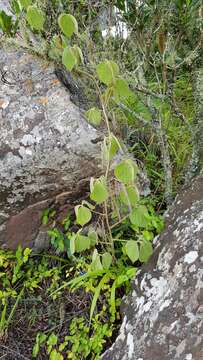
(4, 103)
(191, 257)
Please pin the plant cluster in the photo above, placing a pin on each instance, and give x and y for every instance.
(19, 273)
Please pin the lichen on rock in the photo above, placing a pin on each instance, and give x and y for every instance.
(46, 146)
(163, 315)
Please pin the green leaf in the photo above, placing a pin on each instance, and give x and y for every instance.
(140, 217)
(97, 293)
(129, 195)
(42, 338)
(96, 264)
(94, 116)
(35, 17)
(121, 279)
(114, 146)
(57, 239)
(125, 172)
(25, 3)
(52, 340)
(99, 191)
(131, 272)
(69, 59)
(35, 350)
(121, 89)
(148, 235)
(26, 254)
(16, 7)
(113, 299)
(72, 243)
(146, 250)
(92, 235)
(55, 355)
(82, 243)
(5, 22)
(132, 250)
(83, 214)
(106, 260)
(111, 145)
(68, 24)
(18, 254)
(78, 54)
(107, 72)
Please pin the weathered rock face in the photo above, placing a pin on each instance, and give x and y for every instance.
(47, 149)
(163, 317)
(5, 6)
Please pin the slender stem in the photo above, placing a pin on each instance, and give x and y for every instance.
(91, 77)
(119, 222)
(104, 110)
(14, 307)
(109, 228)
(54, 257)
(3, 322)
(105, 116)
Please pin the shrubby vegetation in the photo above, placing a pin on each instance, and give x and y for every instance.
(147, 106)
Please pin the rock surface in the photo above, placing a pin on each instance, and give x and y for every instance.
(163, 317)
(47, 150)
(5, 6)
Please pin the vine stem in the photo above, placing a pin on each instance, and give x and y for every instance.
(104, 110)
(119, 222)
(92, 78)
(109, 228)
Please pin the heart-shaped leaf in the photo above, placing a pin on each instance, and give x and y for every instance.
(82, 243)
(69, 59)
(35, 17)
(125, 172)
(140, 217)
(83, 214)
(146, 251)
(94, 116)
(106, 260)
(132, 250)
(99, 191)
(107, 72)
(121, 89)
(68, 24)
(129, 195)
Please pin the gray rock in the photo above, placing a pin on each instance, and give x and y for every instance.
(46, 146)
(163, 316)
(5, 6)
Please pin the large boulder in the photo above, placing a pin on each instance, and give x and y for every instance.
(47, 150)
(163, 316)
